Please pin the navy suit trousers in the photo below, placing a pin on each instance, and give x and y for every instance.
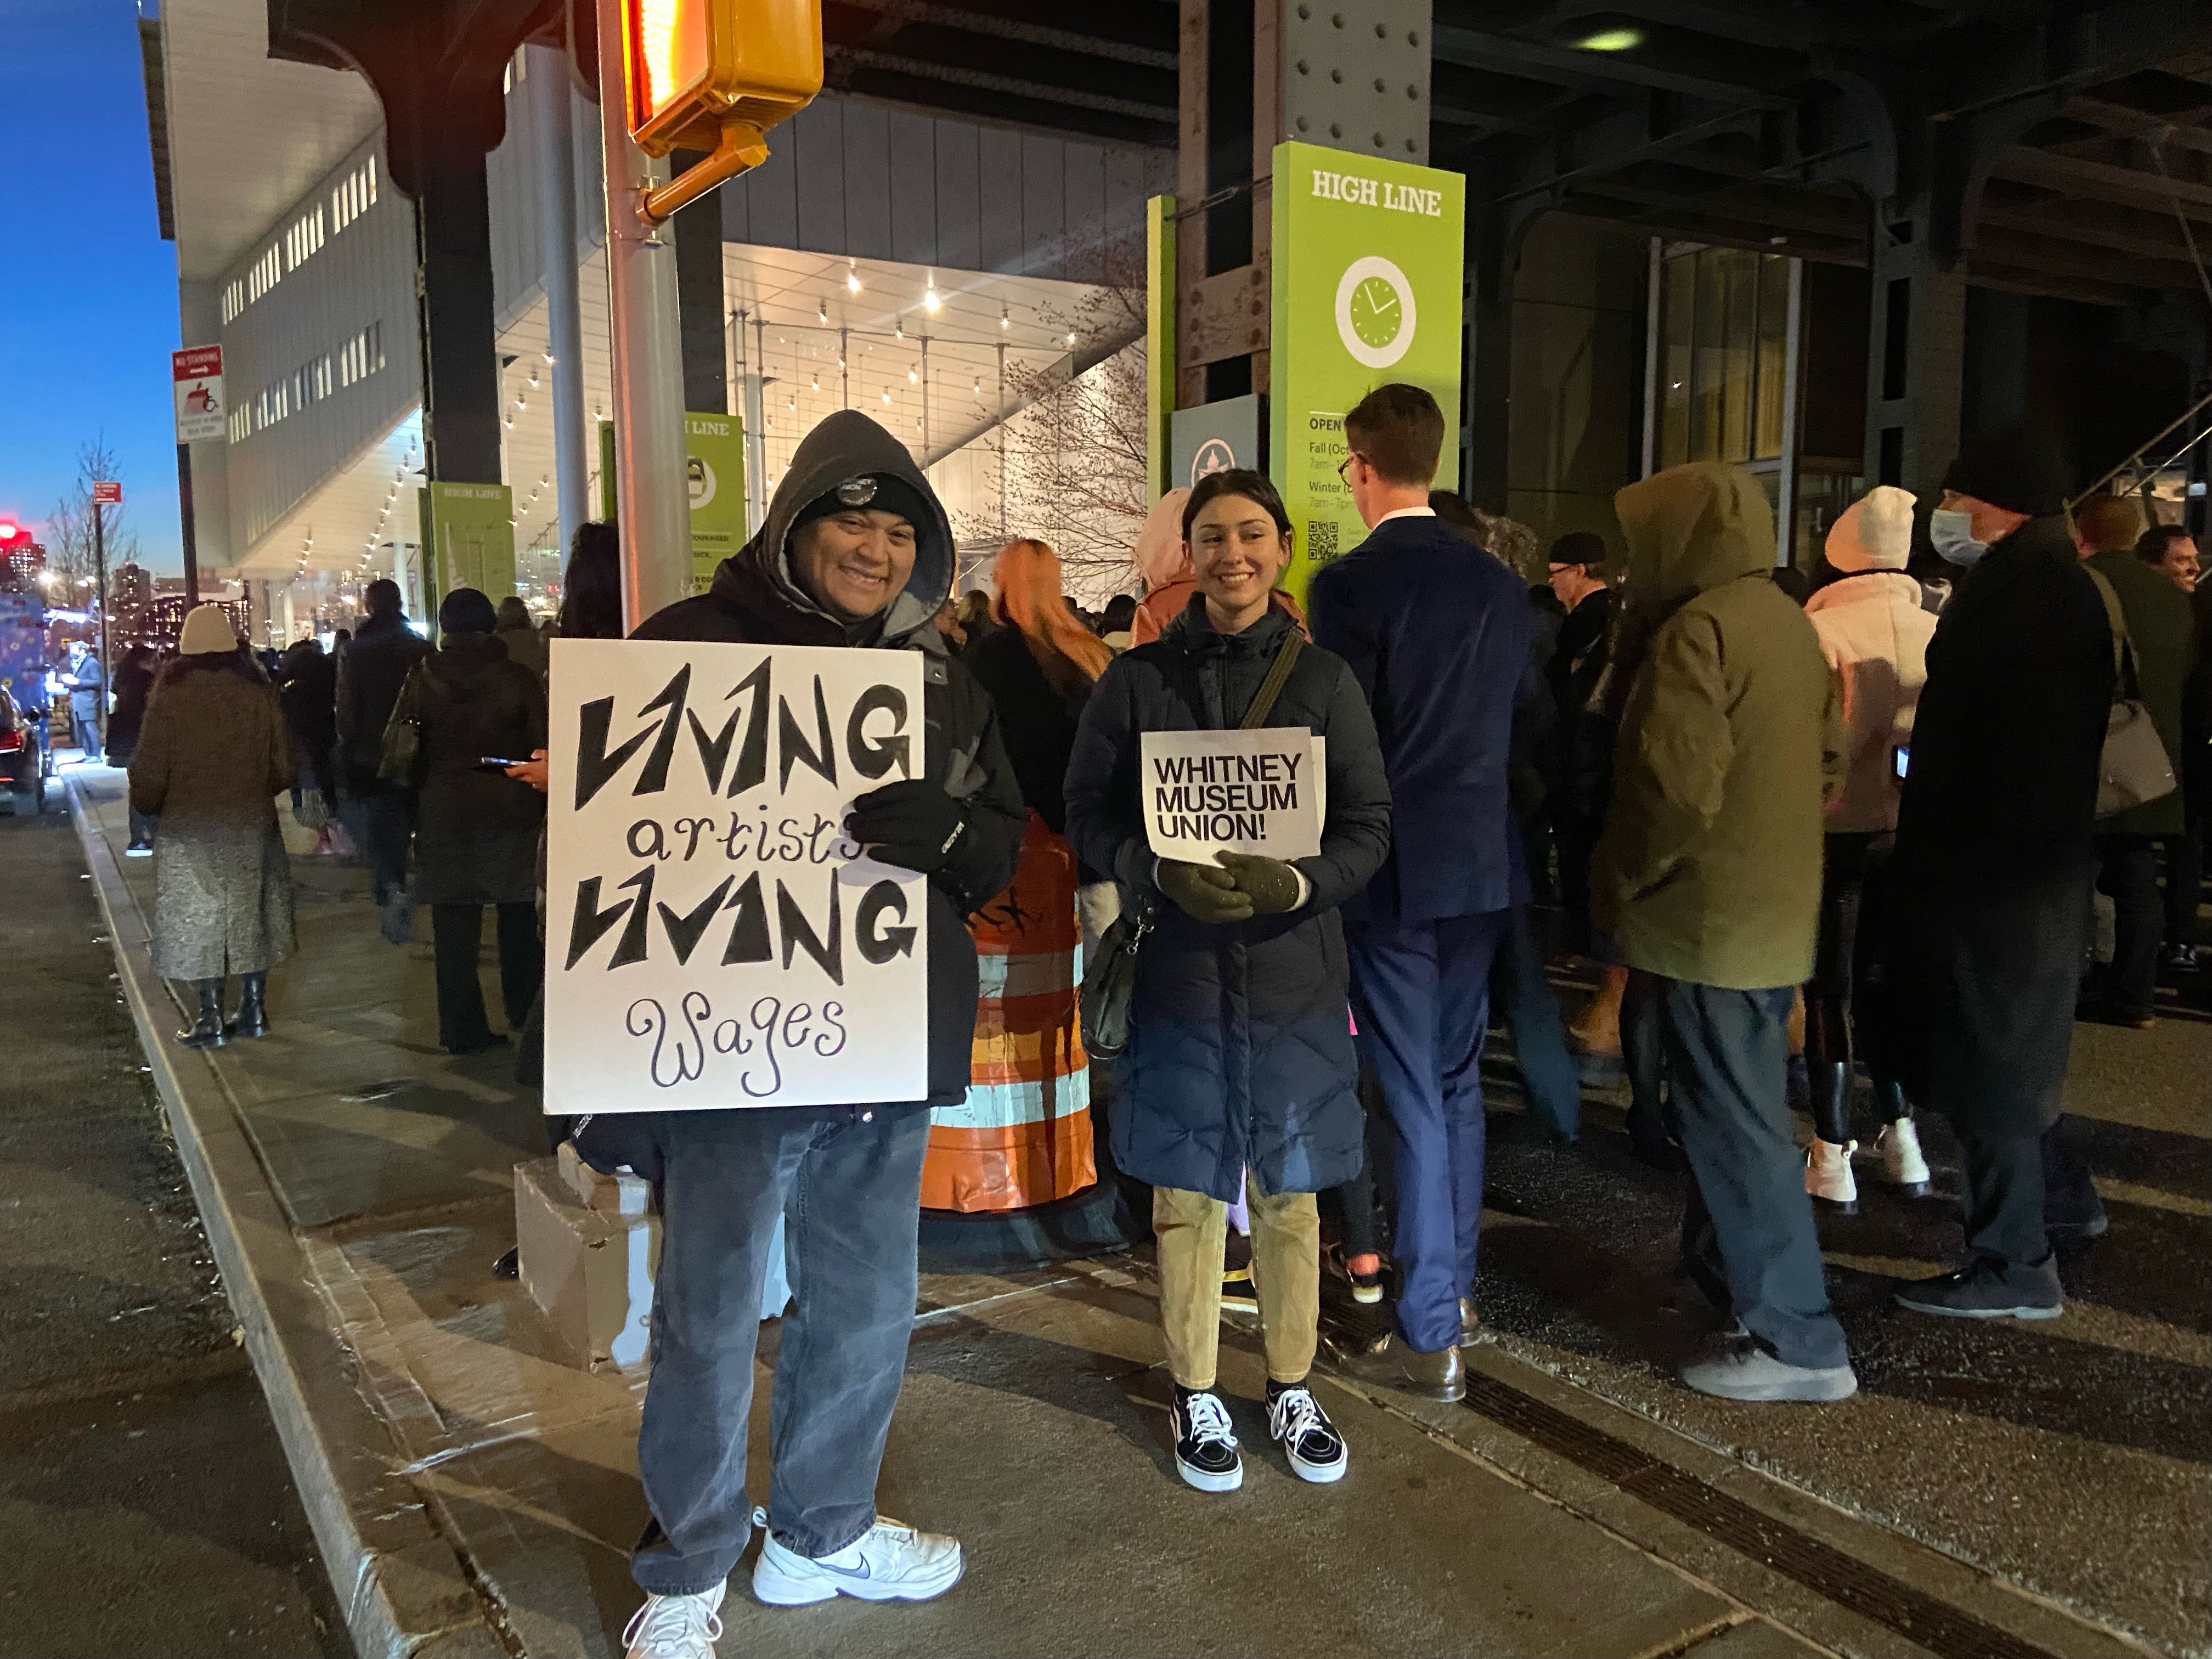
(1422, 992)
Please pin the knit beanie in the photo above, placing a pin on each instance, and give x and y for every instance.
(874, 492)
(466, 610)
(1875, 532)
(2017, 466)
(207, 632)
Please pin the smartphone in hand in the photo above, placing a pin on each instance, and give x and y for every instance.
(495, 763)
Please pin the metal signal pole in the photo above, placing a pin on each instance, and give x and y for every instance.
(99, 595)
(653, 500)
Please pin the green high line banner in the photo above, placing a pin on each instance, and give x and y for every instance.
(714, 470)
(1369, 258)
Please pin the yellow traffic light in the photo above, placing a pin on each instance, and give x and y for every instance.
(694, 68)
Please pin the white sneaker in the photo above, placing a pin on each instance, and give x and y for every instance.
(1902, 1165)
(1828, 1174)
(675, 1626)
(889, 1562)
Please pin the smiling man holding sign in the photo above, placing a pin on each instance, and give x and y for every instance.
(772, 811)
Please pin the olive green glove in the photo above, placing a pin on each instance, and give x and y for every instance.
(1272, 885)
(1203, 891)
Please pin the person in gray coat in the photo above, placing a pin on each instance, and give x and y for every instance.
(212, 755)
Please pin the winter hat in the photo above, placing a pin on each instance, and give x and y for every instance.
(1874, 533)
(466, 610)
(208, 633)
(873, 492)
(2017, 466)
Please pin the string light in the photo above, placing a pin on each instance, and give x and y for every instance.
(929, 300)
(852, 278)
(821, 310)
(1004, 319)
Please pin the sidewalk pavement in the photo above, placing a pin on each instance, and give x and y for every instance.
(475, 1492)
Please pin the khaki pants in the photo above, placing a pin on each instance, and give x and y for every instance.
(1286, 1261)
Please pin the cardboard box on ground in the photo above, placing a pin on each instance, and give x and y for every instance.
(589, 1248)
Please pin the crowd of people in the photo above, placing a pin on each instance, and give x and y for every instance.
(1849, 833)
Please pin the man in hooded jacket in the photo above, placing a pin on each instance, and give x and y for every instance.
(855, 553)
(1707, 878)
(1994, 861)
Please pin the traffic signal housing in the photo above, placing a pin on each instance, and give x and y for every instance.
(694, 69)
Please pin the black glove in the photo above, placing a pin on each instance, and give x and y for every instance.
(1271, 884)
(1204, 891)
(913, 824)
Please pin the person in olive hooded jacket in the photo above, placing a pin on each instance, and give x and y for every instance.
(854, 553)
(1707, 878)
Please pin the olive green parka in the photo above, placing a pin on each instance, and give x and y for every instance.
(1731, 742)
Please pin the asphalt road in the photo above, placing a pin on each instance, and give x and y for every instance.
(145, 1505)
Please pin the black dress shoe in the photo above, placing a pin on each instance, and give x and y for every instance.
(1389, 1361)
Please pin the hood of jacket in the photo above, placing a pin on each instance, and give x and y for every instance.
(1691, 529)
(463, 662)
(757, 576)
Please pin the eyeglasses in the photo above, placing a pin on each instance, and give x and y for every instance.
(1350, 457)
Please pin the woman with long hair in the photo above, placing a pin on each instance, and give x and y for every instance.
(591, 586)
(1023, 1136)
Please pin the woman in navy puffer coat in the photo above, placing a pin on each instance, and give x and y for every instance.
(1240, 1062)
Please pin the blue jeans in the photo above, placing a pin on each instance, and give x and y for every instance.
(848, 1189)
(1422, 992)
(1525, 998)
(1747, 1236)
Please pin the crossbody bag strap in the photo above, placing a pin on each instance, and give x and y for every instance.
(2123, 650)
(1278, 673)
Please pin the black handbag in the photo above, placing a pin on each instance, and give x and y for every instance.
(401, 760)
(1109, 979)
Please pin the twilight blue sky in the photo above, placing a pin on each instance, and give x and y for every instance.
(88, 288)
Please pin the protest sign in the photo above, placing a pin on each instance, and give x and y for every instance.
(1232, 792)
(713, 940)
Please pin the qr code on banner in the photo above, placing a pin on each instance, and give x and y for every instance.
(1321, 539)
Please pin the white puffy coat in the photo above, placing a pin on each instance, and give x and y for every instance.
(1876, 637)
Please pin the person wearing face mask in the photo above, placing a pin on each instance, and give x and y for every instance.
(1990, 879)
(1240, 1069)
(854, 553)
(1437, 633)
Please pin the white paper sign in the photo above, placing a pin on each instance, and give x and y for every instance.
(712, 939)
(1232, 792)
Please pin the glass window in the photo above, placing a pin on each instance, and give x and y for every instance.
(1773, 353)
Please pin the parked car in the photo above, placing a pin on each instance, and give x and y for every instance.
(24, 758)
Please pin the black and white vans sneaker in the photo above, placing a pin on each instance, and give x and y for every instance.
(1297, 1424)
(1206, 1446)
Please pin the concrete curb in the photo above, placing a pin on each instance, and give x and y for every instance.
(404, 1588)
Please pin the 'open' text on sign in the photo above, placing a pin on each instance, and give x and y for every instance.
(713, 939)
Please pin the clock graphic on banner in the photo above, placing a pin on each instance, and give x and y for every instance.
(1375, 313)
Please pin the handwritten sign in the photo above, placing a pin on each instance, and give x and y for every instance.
(1232, 792)
(713, 940)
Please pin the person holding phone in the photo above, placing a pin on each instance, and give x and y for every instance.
(1240, 1072)
(1874, 634)
(478, 712)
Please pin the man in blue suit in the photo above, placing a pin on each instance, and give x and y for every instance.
(1438, 632)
